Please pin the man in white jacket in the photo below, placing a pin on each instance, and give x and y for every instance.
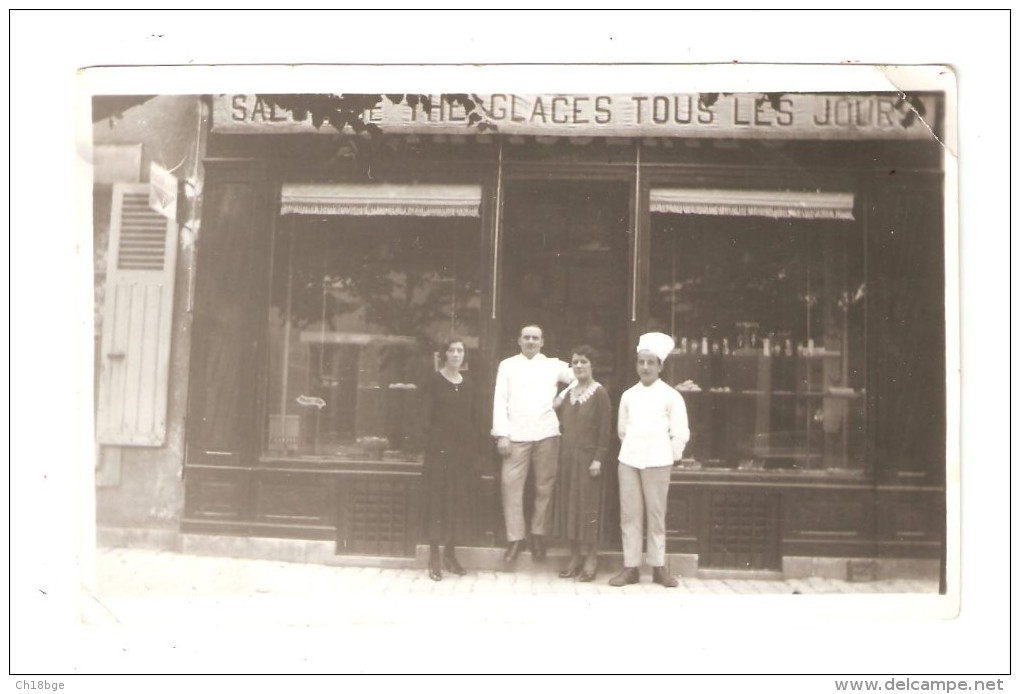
(527, 434)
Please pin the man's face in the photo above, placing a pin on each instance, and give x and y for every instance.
(648, 367)
(530, 341)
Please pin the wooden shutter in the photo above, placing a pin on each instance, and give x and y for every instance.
(137, 320)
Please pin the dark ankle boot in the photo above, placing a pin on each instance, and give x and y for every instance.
(450, 562)
(435, 569)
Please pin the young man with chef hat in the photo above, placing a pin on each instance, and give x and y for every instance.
(653, 432)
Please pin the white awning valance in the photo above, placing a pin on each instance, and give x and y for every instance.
(381, 199)
(753, 203)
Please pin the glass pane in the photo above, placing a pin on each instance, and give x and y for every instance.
(358, 305)
(768, 319)
(565, 268)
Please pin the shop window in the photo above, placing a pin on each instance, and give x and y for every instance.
(358, 306)
(766, 304)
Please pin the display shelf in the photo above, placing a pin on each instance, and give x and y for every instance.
(773, 393)
(552, 253)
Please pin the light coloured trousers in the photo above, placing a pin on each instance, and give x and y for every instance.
(643, 495)
(543, 457)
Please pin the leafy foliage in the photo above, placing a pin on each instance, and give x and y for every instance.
(407, 279)
(911, 106)
(347, 111)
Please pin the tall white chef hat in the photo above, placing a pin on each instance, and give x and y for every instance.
(658, 344)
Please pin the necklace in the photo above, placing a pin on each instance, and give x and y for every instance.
(455, 384)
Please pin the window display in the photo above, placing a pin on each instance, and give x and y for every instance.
(358, 305)
(768, 318)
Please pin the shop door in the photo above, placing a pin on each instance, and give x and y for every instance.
(565, 268)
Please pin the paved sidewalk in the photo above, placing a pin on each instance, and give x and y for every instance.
(145, 587)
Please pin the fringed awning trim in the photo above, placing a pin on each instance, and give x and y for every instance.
(753, 203)
(381, 199)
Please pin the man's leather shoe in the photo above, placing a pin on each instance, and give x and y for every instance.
(513, 551)
(538, 547)
(663, 578)
(626, 577)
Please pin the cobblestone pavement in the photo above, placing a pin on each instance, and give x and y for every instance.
(150, 587)
(147, 611)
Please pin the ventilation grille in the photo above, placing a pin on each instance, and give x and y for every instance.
(142, 235)
(743, 532)
(377, 519)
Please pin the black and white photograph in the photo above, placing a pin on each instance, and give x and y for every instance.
(492, 368)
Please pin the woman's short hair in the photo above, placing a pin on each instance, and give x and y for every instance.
(585, 351)
(449, 342)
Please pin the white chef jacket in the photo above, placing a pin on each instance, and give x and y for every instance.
(522, 404)
(652, 426)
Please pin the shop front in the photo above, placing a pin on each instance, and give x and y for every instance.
(791, 244)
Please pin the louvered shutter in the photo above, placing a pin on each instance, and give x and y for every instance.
(137, 320)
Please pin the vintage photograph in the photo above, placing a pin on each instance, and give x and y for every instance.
(706, 334)
(643, 358)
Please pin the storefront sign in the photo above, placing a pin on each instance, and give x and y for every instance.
(767, 116)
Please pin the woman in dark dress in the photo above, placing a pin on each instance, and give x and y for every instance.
(451, 450)
(585, 413)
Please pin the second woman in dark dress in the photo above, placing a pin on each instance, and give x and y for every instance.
(451, 452)
(585, 413)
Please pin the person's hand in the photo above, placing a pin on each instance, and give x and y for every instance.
(503, 446)
(595, 468)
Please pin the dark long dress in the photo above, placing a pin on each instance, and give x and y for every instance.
(578, 496)
(451, 455)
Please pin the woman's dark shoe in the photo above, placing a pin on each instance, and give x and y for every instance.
(435, 572)
(663, 578)
(573, 568)
(513, 551)
(626, 577)
(591, 567)
(451, 564)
